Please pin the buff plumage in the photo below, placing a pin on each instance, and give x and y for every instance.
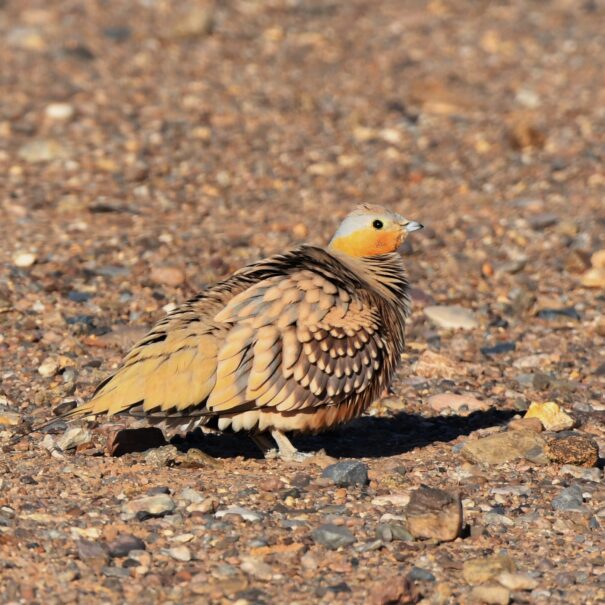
(299, 341)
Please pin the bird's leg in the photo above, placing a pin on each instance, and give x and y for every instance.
(286, 450)
(265, 445)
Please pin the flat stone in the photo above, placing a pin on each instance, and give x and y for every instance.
(149, 506)
(87, 550)
(491, 594)
(397, 499)
(551, 415)
(347, 473)
(481, 570)
(179, 553)
(517, 581)
(191, 495)
(570, 499)
(332, 536)
(245, 513)
(573, 449)
(72, 438)
(123, 544)
(462, 404)
(505, 447)
(586, 474)
(434, 513)
(526, 424)
(451, 317)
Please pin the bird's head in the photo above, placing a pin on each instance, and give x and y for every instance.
(371, 230)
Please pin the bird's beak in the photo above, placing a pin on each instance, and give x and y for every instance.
(412, 226)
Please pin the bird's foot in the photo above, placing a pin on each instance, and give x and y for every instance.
(284, 451)
(296, 456)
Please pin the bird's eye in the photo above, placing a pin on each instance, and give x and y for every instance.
(377, 224)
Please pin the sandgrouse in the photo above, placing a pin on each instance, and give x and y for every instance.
(299, 341)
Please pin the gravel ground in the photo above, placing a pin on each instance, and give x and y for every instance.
(150, 148)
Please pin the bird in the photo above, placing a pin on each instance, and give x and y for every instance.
(298, 342)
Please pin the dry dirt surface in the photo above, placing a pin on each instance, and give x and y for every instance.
(149, 148)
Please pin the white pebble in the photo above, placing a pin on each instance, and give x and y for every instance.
(59, 111)
(24, 259)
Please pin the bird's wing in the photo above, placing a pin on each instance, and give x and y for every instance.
(173, 368)
(297, 341)
(290, 332)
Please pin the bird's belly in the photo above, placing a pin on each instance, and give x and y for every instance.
(309, 420)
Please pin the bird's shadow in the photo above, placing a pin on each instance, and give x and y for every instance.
(365, 437)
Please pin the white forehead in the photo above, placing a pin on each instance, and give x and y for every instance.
(353, 223)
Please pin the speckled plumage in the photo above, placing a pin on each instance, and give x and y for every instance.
(299, 341)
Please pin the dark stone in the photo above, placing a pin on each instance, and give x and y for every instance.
(160, 489)
(541, 381)
(417, 574)
(556, 313)
(87, 550)
(115, 572)
(347, 473)
(117, 33)
(78, 297)
(501, 347)
(300, 480)
(340, 587)
(123, 544)
(543, 220)
(332, 536)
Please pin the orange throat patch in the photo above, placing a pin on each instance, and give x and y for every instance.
(362, 243)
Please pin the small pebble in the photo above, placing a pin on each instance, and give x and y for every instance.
(24, 259)
(333, 536)
(180, 553)
(347, 473)
(451, 317)
(59, 111)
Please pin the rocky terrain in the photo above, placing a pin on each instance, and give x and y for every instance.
(149, 148)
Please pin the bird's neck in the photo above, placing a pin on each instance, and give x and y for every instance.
(357, 244)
